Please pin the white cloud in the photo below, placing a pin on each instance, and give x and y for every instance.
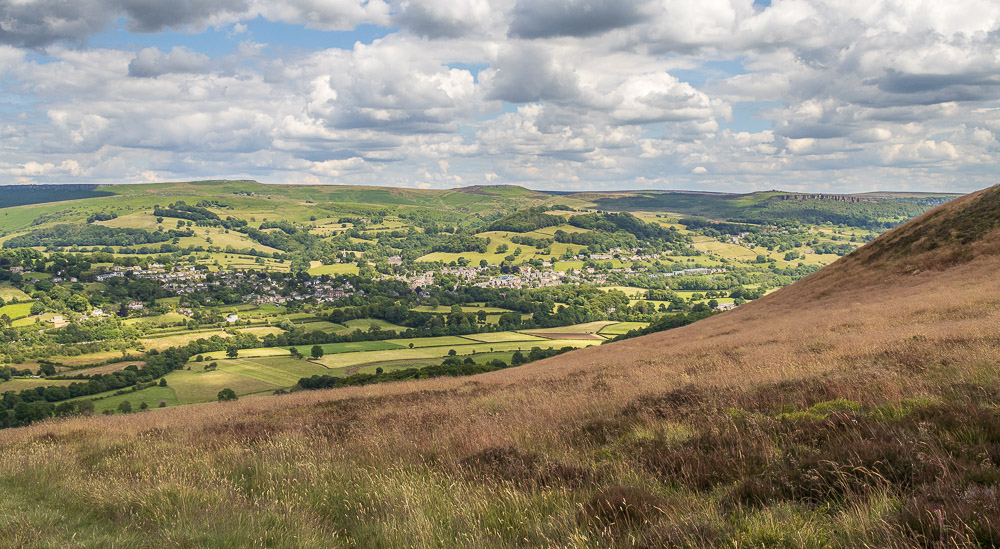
(573, 93)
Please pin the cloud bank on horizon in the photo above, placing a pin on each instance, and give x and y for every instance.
(728, 95)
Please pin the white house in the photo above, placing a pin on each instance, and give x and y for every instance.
(232, 318)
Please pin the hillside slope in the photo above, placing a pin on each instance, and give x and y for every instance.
(856, 407)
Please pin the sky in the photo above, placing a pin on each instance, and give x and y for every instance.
(718, 95)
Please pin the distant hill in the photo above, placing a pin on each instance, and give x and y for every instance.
(874, 210)
(20, 195)
(858, 407)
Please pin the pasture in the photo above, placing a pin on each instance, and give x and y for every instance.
(316, 268)
(152, 396)
(16, 310)
(441, 352)
(181, 338)
(431, 341)
(8, 292)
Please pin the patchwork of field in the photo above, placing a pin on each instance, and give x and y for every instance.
(586, 328)
(431, 341)
(265, 370)
(354, 359)
(499, 238)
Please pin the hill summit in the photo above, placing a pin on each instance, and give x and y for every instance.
(858, 407)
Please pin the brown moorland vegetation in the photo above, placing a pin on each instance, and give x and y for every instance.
(858, 407)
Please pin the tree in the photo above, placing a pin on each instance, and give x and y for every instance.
(37, 308)
(232, 352)
(125, 407)
(317, 351)
(163, 382)
(452, 352)
(143, 406)
(227, 394)
(295, 352)
(78, 303)
(85, 407)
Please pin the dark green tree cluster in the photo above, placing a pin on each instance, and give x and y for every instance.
(184, 211)
(91, 235)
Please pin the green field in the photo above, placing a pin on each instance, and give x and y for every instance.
(279, 371)
(419, 353)
(243, 375)
(321, 326)
(316, 268)
(364, 324)
(351, 347)
(16, 310)
(431, 341)
(197, 386)
(152, 396)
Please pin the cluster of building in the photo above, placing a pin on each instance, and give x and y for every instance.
(526, 277)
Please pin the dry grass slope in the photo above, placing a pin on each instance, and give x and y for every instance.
(858, 407)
